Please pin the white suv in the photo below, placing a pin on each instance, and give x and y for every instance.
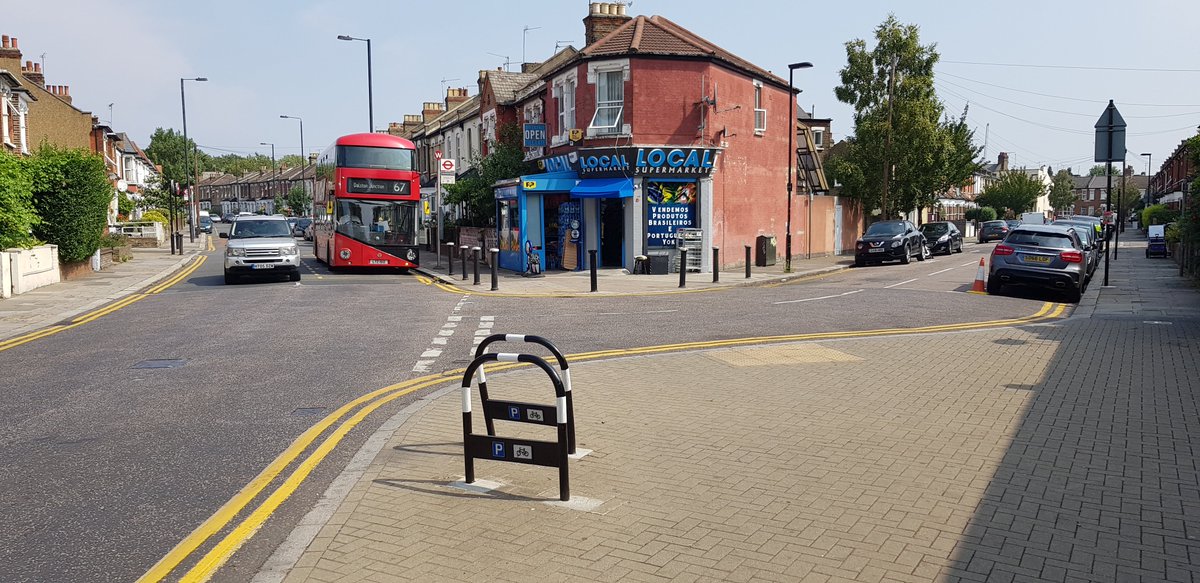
(260, 245)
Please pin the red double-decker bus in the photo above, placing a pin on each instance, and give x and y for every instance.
(370, 190)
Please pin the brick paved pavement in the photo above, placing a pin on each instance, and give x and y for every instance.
(1059, 452)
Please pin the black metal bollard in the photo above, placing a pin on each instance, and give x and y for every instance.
(462, 253)
(683, 268)
(592, 267)
(475, 257)
(747, 262)
(716, 263)
(495, 277)
(450, 257)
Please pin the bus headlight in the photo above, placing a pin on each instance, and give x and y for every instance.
(344, 254)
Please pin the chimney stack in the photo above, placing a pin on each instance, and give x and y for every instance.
(65, 93)
(33, 72)
(603, 18)
(431, 110)
(1002, 161)
(455, 97)
(10, 51)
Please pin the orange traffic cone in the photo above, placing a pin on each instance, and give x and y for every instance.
(978, 288)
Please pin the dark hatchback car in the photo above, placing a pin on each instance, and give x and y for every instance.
(1090, 238)
(993, 231)
(890, 241)
(942, 237)
(1041, 256)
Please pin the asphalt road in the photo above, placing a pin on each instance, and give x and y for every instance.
(107, 466)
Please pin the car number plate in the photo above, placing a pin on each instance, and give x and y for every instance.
(1035, 259)
(875, 250)
(262, 266)
(379, 262)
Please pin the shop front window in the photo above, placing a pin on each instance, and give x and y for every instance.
(670, 206)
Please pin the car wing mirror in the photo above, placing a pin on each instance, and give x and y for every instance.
(223, 235)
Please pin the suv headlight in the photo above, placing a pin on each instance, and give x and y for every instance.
(943, 238)
(289, 250)
(895, 244)
(235, 252)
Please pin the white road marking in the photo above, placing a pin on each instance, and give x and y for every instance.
(635, 313)
(969, 263)
(899, 284)
(942, 271)
(820, 298)
(431, 353)
(440, 340)
(422, 366)
(487, 318)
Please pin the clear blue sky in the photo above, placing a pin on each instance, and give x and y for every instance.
(266, 58)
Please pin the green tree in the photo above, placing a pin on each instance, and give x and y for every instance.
(505, 160)
(1014, 192)
(1157, 214)
(299, 201)
(169, 149)
(1100, 170)
(929, 152)
(292, 161)
(18, 216)
(1129, 197)
(1062, 192)
(981, 214)
(71, 193)
(125, 205)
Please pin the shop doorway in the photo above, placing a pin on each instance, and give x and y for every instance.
(612, 232)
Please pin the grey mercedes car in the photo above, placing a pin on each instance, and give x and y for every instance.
(260, 245)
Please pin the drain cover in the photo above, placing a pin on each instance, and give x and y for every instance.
(161, 363)
(307, 411)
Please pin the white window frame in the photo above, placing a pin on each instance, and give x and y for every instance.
(563, 90)
(819, 138)
(603, 70)
(760, 112)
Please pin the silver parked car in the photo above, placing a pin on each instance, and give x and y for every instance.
(260, 245)
(1042, 256)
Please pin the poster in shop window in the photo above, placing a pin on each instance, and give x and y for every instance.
(670, 206)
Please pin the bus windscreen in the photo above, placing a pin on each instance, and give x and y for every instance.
(375, 158)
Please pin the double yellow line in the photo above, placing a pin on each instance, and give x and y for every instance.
(358, 409)
(104, 311)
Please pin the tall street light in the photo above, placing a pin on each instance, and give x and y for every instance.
(791, 132)
(370, 102)
(187, 154)
(1146, 197)
(274, 169)
(303, 152)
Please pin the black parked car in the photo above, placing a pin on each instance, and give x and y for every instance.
(993, 231)
(942, 237)
(890, 241)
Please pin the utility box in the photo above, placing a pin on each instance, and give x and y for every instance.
(660, 262)
(764, 250)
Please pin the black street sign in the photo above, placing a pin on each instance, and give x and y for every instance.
(521, 451)
(521, 412)
(1110, 135)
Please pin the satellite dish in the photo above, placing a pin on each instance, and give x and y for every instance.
(122, 186)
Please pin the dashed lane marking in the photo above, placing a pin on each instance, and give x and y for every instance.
(821, 298)
(900, 284)
(942, 271)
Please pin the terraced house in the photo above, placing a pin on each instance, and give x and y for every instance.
(648, 138)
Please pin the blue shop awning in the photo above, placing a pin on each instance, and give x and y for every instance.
(603, 188)
(549, 182)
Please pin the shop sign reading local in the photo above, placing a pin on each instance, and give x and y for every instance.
(629, 161)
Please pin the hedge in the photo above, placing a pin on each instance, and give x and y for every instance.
(17, 214)
(71, 193)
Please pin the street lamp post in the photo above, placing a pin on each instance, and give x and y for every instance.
(187, 154)
(303, 153)
(274, 171)
(791, 132)
(370, 102)
(1146, 197)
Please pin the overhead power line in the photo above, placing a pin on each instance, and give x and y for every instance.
(1081, 67)
(1088, 115)
(1065, 97)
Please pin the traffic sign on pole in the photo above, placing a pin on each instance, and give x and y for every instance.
(437, 154)
(1110, 136)
(447, 165)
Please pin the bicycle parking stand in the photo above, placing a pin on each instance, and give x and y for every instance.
(521, 451)
(564, 373)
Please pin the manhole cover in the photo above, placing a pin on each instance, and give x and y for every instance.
(307, 411)
(161, 363)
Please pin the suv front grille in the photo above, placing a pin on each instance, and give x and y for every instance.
(261, 253)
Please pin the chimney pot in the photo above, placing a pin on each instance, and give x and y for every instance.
(4, 40)
(66, 89)
(595, 8)
(29, 66)
(37, 67)
(13, 40)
